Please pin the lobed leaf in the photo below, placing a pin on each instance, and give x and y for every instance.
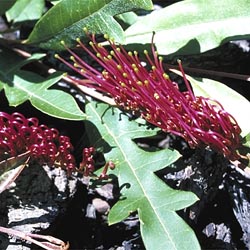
(21, 86)
(66, 20)
(141, 189)
(192, 26)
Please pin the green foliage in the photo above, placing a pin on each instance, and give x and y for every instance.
(24, 10)
(20, 85)
(67, 19)
(142, 190)
(247, 140)
(193, 26)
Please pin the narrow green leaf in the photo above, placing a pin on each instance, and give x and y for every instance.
(25, 10)
(193, 26)
(142, 190)
(66, 19)
(10, 61)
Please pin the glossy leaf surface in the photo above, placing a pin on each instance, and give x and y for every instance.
(193, 26)
(25, 10)
(66, 20)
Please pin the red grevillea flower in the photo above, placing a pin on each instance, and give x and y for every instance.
(200, 121)
(19, 135)
(45, 145)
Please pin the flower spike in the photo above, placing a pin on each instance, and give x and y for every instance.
(200, 121)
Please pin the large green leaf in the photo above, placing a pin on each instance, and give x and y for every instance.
(193, 26)
(142, 191)
(25, 10)
(66, 20)
(21, 86)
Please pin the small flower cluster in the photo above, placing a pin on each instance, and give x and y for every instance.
(87, 163)
(151, 93)
(19, 135)
(45, 145)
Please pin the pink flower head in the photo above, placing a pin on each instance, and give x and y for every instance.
(200, 121)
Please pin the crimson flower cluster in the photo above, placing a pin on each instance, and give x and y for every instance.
(45, 145)
(19, 135)
(150, 92)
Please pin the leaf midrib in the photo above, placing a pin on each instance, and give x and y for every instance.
(137, 179)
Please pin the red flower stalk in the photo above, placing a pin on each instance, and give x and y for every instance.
(200, 121)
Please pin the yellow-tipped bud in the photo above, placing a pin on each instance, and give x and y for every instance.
(72, 58)
(166, 76)
(125, 75)
(145, 52)
(135, 53)
(56, 56)
(112, 53)
(99, 45)
(123, 84)
(109, 57)
(160, 58)
(156, 96)
(62, 42)
(153, 68)
(139, 83)
(98, 55)
(85, 29)
(130, 53)
(106, 36)
(136, 69)
(146, 82)
(91, 43)
(118, 49)
(78, 39)
(119, 66)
